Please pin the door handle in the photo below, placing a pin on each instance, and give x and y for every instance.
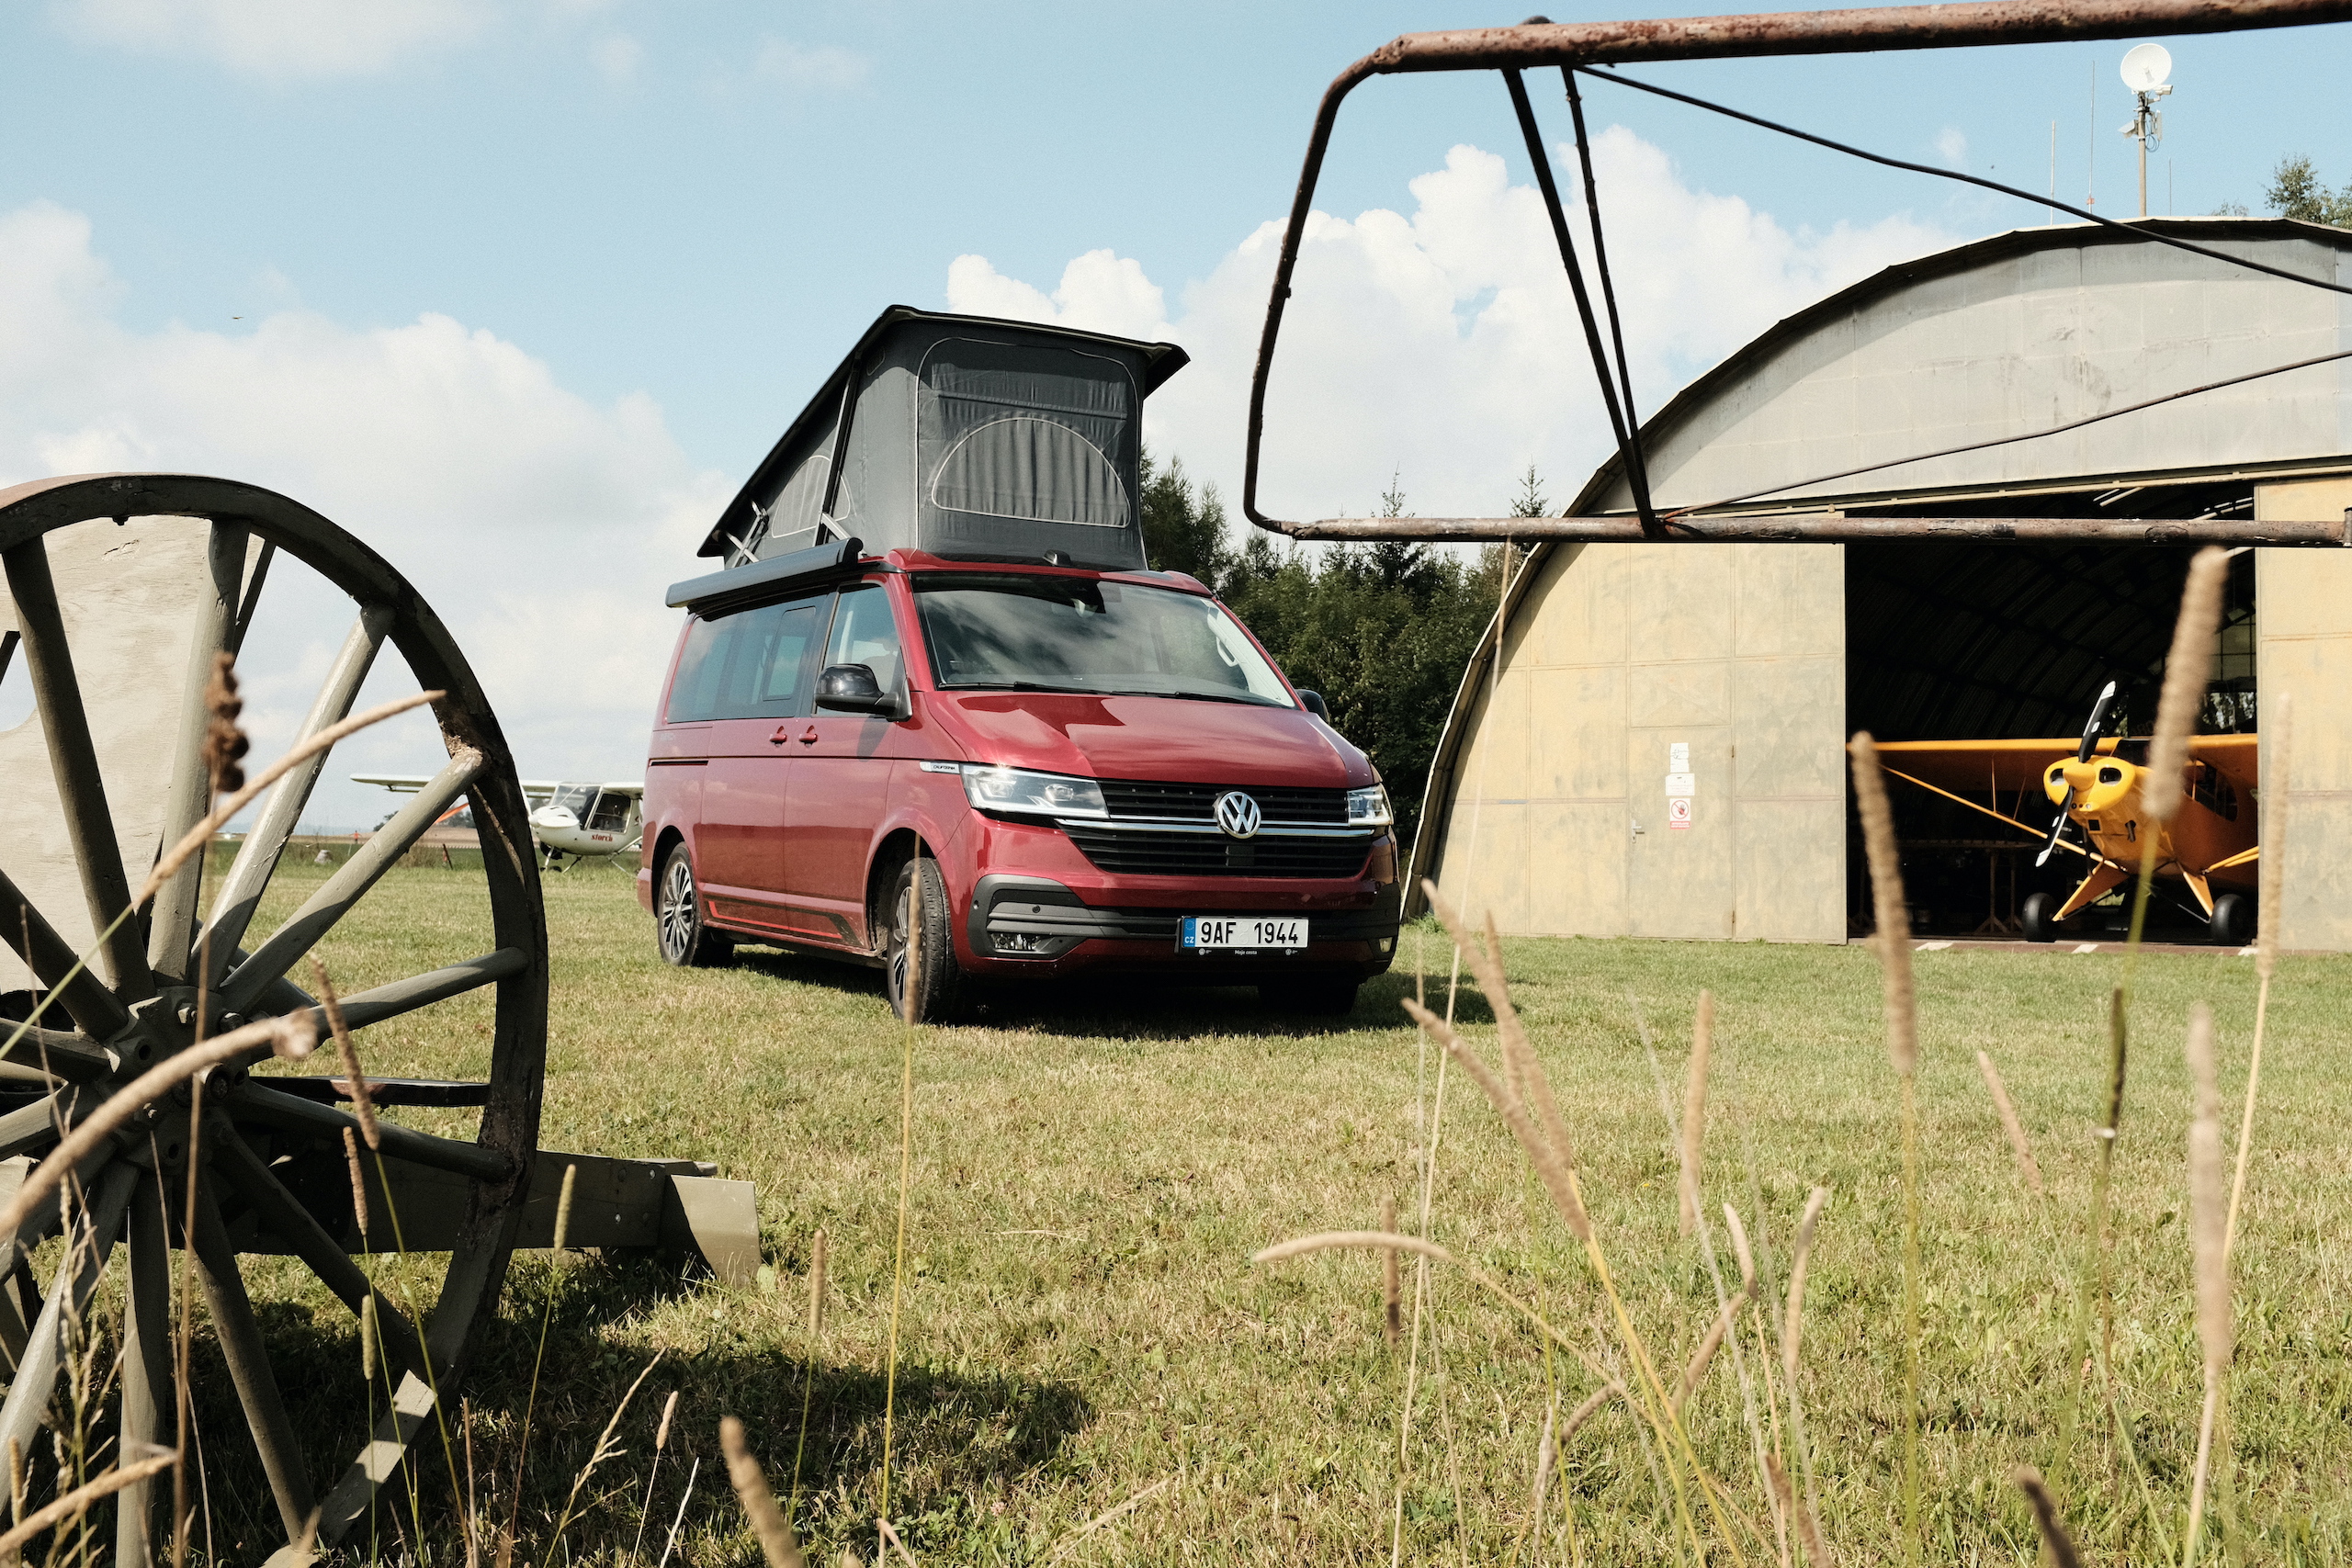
(808, 736)
(782, 734)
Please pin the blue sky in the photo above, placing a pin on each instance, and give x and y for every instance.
(535, 283)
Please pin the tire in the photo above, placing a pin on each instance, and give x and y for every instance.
(678, 926)
(2036, 917)
(2233, 920)
(1310, 995)
(933, 995)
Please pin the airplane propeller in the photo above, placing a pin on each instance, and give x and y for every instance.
(2090, 742)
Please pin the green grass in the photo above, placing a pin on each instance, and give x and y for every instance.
(1092, 1171)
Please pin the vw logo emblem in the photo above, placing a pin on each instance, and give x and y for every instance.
(1236, 814)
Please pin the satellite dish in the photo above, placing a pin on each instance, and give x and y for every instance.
(2147, 66)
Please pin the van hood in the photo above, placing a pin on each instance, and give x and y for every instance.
(1174, 740)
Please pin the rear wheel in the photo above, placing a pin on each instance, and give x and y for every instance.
(922, 981)
(686, 940)
(2035, 917)
(2232, 924)
(1310, 995)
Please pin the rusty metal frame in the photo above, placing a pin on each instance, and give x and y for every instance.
(1568, 45)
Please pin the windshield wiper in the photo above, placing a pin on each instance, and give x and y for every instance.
(1027, 686)
(1203, 697)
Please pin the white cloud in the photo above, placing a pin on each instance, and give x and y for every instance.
(286, 40)
(1951, 146)
(541, 525)
(616, 56)
(815, 67)
(1446, 343)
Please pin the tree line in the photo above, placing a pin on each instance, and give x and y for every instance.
(1382, 630)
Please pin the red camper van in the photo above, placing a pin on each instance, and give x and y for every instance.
(934, 659)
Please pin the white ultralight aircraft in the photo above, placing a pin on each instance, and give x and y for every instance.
(582, 821)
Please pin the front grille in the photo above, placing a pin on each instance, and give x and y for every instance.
(1192, 802)
(1214, 854)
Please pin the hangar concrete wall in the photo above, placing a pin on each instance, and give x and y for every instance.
(2304, 646)
(1613, 655)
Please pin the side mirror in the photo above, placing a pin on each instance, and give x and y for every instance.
(851, 688)
(1314, 701)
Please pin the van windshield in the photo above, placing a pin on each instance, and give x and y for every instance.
(1075, 634)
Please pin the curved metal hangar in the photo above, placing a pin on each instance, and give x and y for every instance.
(1658, 750)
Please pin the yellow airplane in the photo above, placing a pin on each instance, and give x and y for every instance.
(2211, 844)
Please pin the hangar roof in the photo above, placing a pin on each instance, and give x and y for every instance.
(2012, 334)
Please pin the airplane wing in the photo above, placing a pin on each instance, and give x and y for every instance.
(537, 792)
(636, 789)
(2238, 756)
(1978, 768)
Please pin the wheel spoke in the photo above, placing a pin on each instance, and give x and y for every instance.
(147, 1386)
(241, 890)
(54, 1055)
(85, 998)
(381, 1002)
(254, 1101)
(171, 924)
(348, 885)
(245, 620)
(65, 724)
(249, 1369)
(283, 1213)
(85, 1257)
(28, 1127)
(413, 1405)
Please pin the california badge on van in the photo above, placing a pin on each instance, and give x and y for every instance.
(935, 675)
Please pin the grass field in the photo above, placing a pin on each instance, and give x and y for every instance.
(1082, 1327)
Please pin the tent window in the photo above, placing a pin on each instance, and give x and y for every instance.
(1034, 470)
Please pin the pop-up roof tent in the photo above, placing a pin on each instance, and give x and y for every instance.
(971, 438)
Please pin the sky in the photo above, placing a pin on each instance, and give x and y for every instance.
(518, 291)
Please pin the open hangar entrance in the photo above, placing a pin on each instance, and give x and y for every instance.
(1734, 673)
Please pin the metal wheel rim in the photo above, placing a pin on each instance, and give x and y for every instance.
(482, 769)
(678, 909)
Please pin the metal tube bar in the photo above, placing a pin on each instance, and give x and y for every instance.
(348, 885)
(65, 724)
(77, 1275)
(253, 1101)
(1714, 38)
(171, 923)
(282, 1214)
(147, 1386)
(1637, 473)
(1835, 527)
(249, 1369)
(248, 877)
(85, 998)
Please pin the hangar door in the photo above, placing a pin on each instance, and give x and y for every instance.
(1637, 677)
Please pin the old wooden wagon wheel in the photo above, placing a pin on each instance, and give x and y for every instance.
(142, 998)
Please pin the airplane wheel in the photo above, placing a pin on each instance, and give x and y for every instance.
(2232, 923)
(2037, 917)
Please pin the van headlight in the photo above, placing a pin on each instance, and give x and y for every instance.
(1369, 808)
(1044, 795)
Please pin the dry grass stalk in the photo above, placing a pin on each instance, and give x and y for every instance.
(368, 1341)
(224, 744)
(2208, 1229)
(1740, 1249)
(1809, 1528)
(1704, 1356)
(1894, 939)
(1546, 1455)
(290, 1037)
(1694, 1107)
(473, 1509)
(1522, 1068)
(890, 1539)
(363, 1100)
(2055, 1538)
(563, 1207)
(358, 1183)
(1551, 1166)
(77, 1502)
(1592, 1407)
(16, 1481)
(1392, 1315)
(1793, 1325)
(816, 1287)
(759, 1504)
(605, 1450)
(2010, 1124)
(2187, 668)
(2279, 732)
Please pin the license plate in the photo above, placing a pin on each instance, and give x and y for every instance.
(1225, 933)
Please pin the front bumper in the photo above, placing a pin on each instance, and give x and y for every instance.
(1017, 924)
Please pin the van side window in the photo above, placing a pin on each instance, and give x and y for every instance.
(864, 634)
(751, 665)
